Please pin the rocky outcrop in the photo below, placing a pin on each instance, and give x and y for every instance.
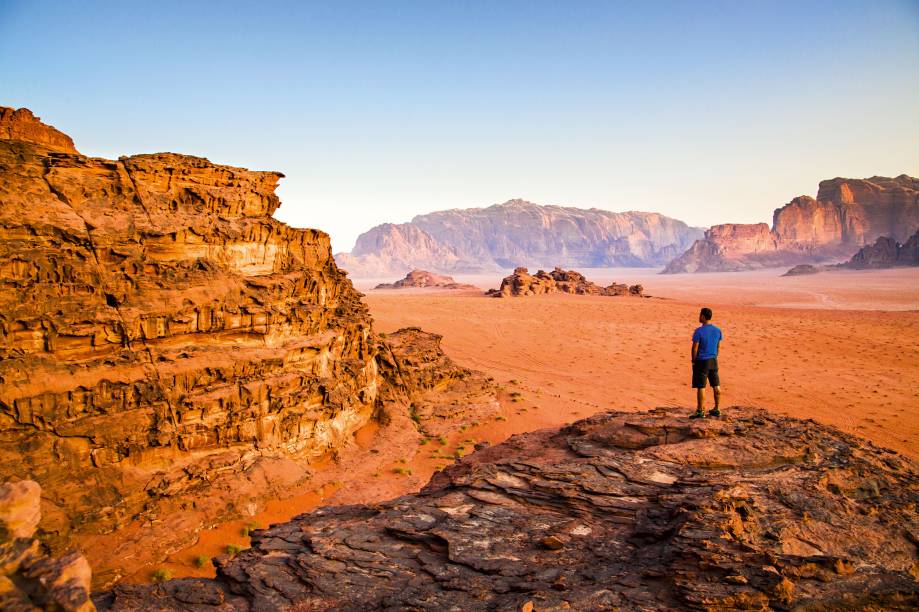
(30, 579)
(802, 270)
(164, 342)
(886, 252)
(518, 233)
(21, 124)
(522, 283)
(441, 395)
(422, 279)
(619, 511)
(846, 215)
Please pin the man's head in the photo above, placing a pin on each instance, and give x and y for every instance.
(705, 315)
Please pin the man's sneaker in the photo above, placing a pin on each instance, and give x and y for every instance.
(714, 413)
(698, 414)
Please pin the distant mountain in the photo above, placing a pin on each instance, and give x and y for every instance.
(518, 233)
(846, 215)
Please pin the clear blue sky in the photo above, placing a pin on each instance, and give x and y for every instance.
(707, 111)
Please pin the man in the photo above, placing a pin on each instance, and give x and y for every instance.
(705, 341)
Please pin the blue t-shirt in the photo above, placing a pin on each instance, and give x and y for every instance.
(708, 336)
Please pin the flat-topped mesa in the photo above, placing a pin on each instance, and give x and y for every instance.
(846, 215)
(522, 283)
(164, 340)
(21, 124)
(620, 511)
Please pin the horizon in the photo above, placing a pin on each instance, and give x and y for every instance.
(377, 114)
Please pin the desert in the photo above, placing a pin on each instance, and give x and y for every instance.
(514, 306)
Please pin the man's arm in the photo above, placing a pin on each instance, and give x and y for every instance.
(695, 350)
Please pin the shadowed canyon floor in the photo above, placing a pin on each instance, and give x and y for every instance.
(624, 511)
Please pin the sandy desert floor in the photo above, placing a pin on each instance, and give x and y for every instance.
(840, 347)
(799, 346)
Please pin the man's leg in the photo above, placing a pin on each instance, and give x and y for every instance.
(717, 391)
(700, 399)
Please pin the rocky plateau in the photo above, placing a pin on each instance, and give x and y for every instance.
(518, 233)
(627, 511)
(522, 283)
(846, 215)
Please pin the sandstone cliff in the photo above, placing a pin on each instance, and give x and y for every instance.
(624, 511)
(518, 233)
(163, 342)
(522, 283)
(846, 215)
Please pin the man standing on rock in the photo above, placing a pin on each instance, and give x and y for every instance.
(705, 341)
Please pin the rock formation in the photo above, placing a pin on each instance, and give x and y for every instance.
(441, 395)
(803, 270)
(30, 579)
(21, 124)
(164, 341)
(846, 215)
(886, 252)
(422, 279)
(522, 283)
(518, 233)
(618, 511)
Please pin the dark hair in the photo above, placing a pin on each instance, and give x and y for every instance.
(706, 314)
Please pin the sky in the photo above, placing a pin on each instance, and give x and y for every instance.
(710, 112)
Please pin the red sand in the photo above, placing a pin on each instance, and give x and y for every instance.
(561, 358)
(857, 370)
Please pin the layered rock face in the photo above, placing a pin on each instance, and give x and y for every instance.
(522, 283)
(163, 339)
(422, 279)
(886, 252)
(846, 215)
(30, 579)
(619, 511)
(21, 124)
(441, 394)
(518, 233)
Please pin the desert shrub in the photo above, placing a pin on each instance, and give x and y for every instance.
(161, 574)
(201, 560)
(234, 549)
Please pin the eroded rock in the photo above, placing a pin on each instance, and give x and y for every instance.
(164, 342)
(30, 579)
(620, 510)
(846, 215)
(886, 252)
(522, 283)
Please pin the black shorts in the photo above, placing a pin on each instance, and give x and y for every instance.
(705, 369)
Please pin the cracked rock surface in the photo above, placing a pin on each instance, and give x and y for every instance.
(634, 511)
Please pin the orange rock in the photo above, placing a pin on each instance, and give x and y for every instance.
(846, 215)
